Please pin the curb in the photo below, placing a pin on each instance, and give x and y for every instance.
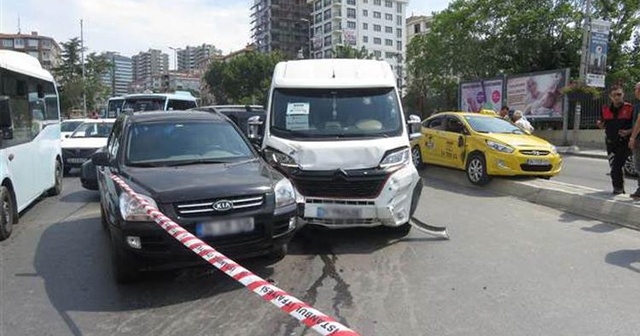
(574, 199)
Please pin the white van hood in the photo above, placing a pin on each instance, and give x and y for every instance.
(334, 154)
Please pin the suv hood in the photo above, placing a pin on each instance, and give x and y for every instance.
(203, 181)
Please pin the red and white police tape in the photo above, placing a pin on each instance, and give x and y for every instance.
(308, 315)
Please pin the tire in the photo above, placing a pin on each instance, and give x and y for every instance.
(7, 213)
(124, 271)
(58, 174)
(629, 168)
(476, 169)
(416, 157)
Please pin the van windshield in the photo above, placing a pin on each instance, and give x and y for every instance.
(335, 113)
(135, 104)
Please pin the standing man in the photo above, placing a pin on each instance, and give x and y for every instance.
(617, 120)
(633, 145)
(504, 113)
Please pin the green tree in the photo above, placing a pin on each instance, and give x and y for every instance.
(244, 79)
(347, 51)
(69, 77)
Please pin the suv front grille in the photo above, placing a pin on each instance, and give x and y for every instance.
(205, 207)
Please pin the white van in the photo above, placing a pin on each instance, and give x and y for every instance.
(336, 128)
(180, 101)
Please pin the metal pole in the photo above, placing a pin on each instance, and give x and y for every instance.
(84, 91)
(585, 41)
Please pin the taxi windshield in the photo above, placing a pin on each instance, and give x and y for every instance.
(492, 125)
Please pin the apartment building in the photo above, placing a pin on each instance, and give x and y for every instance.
(195, 58)
(281, 25)
(121, 75)
(44, 48)
(377, 25)
(150, 63)
(418, 25)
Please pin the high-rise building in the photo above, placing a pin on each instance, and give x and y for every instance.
(44, 48)
(376, 25)
(120, 76)
(418, 25)
(149, 63)
(281, 25)
(195, 58)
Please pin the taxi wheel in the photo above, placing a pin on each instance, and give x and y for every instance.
(417, 157)
(477, 169)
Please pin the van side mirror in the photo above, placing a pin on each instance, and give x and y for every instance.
(256, 130)
(415, 127)
(101, 159)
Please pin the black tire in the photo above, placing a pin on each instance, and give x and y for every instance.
(476, 169)
(7, 213)
(124, 271)
(58, 174)
(416, 157)
(66, 170)
(629, 166)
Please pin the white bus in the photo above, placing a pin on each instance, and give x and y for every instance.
(30, 154)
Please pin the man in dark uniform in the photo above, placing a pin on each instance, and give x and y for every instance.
(617, 120)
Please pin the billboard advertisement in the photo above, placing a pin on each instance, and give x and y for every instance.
(537, 95)
(483, 94)
(597, 56)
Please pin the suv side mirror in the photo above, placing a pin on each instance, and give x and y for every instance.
(255, 131)
(101, 159)
(415, 127)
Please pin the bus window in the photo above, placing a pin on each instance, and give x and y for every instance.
(6, 126)
(180, 105)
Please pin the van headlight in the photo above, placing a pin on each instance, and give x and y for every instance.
(397, 158)
(276, 157)
(285, 194)
(132, 211)
(500, 147)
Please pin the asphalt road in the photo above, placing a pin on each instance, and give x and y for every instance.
(511, 268)
(590, 172)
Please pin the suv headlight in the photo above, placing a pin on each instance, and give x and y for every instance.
(397, 158)
(500, 147)
(276, 157)
(132, 211)
(285, 194)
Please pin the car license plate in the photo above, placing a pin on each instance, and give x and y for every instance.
(76, 160)
(338, 213)
(537, 162)
(225, 227)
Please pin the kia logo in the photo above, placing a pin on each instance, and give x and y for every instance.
(223, 205)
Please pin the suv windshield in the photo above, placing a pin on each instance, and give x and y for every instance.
(93, 130)
(330, 113)
(136, 104)
(174, 143)
(492, 125)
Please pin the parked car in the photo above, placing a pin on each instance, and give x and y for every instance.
(483, 146)
(239, 114)
(84, 141)
(68, 126)
(200, 171)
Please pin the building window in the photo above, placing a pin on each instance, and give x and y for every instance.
(318, 5)
(319, 31)
(377, 28)
(32, 43)
(327, 3)
(416, 28)
(34, 54)
(366, 1)
(7, 43)
(327, 54)
(399, 33)
(377, 2)
(388, 42)
(351, 24)
(351, 2)
(377, 15)
(388, 3)
(399, 7)
(18, 43)
(327, 41)
(389, 55)
(377, 40)
(365, 12)
(351, 13)
(399, 48)
(327, 14)
(388, 29)
(399, 20)
(318, 18)
(365, 26)
(377, 54)
(365, 39)
(388, 17)
(338, 12)
(327, 27)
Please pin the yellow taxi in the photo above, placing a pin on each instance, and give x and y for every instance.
(483, 146)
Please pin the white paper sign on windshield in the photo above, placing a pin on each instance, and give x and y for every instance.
(297, 116)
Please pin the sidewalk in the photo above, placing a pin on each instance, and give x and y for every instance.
(584, 152)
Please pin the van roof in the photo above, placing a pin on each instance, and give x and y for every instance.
(24, 64)
(334, 73)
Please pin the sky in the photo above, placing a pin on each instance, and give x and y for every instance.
(131, 26)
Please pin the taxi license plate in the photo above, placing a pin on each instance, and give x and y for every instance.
(76, 160)
(225, 227)
(338, 213)
(537, 162)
